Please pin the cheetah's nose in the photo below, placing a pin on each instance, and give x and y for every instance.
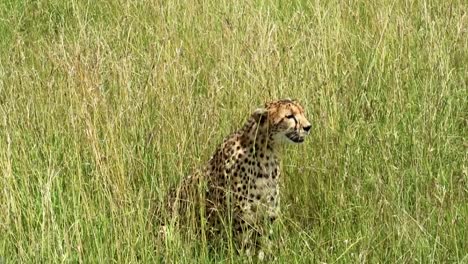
(307, 128)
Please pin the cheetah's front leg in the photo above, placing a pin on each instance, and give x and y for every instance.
(254, 237)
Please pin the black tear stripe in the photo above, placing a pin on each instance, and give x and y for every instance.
(296, 124)
(293, 117)
(295, 121)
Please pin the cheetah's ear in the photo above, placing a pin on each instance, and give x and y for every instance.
(260, 115)
(291, 99)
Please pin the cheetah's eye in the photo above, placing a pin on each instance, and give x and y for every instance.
(290, 116)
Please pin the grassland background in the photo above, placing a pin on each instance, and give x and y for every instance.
(105, 104)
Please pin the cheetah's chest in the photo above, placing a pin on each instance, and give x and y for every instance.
(264, 183)
(256, 184)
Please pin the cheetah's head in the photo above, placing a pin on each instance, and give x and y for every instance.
(285, 119)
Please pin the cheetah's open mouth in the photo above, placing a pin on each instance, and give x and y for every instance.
(294, 137)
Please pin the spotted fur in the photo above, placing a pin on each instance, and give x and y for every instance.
(241, 180)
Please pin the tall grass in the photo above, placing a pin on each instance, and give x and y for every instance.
(106, 104)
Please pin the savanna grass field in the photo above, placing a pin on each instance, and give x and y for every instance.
(106, 105)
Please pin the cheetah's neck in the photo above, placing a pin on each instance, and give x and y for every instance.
(258, 136)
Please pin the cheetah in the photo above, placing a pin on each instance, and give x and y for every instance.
(240, 182)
